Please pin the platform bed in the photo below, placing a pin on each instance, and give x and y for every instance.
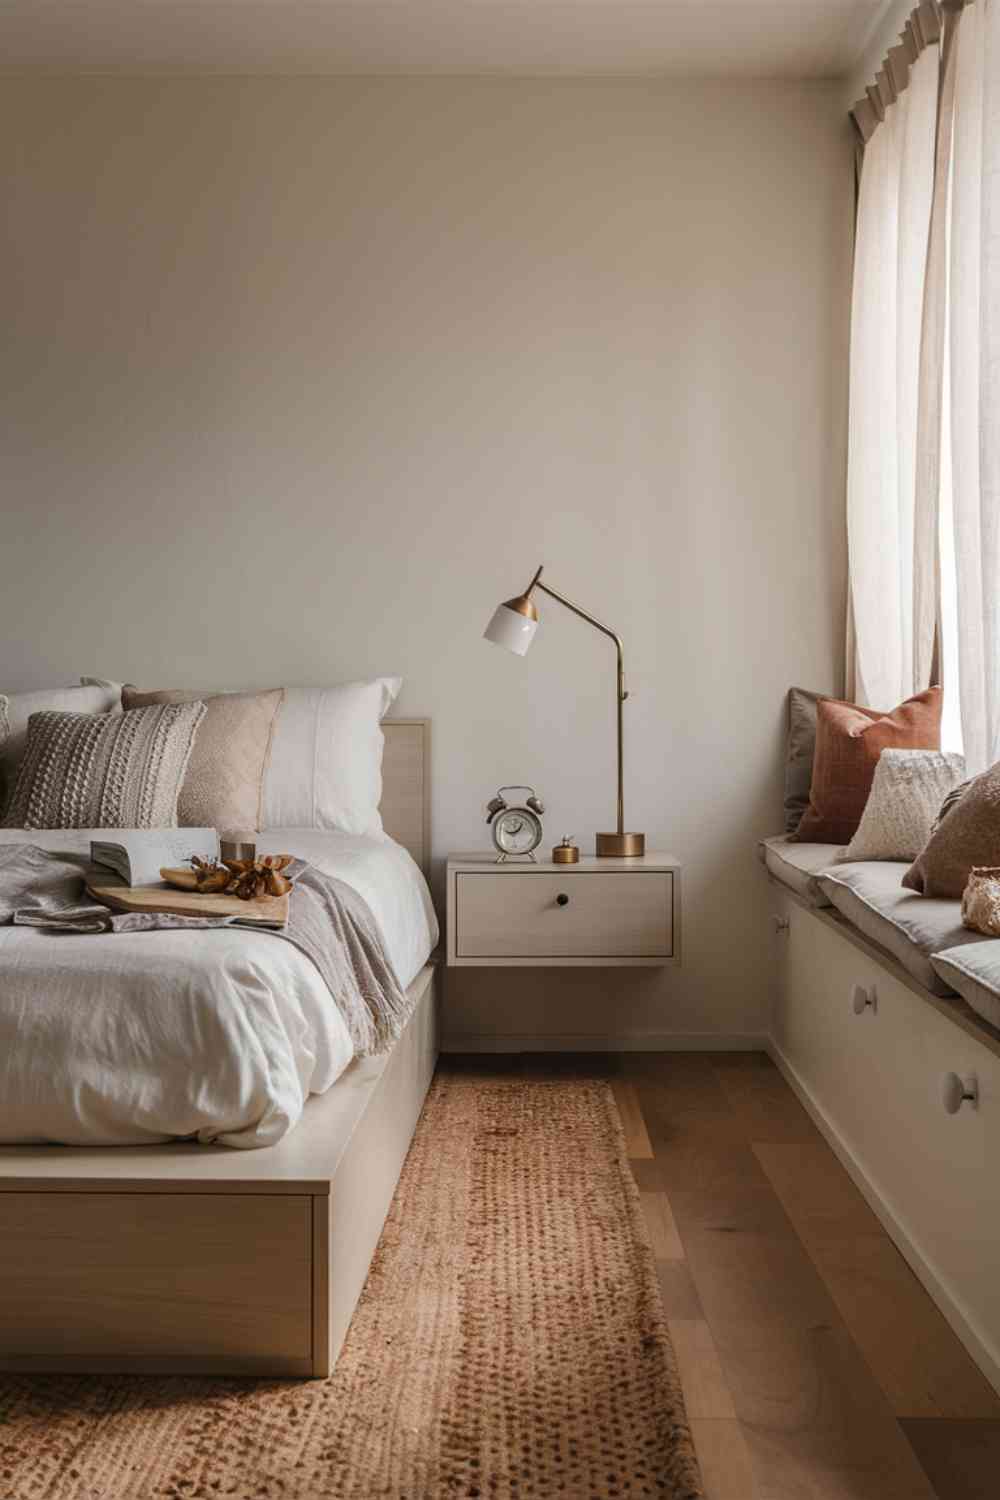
(186, 1259)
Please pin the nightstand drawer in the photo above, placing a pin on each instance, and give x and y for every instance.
(615, 915)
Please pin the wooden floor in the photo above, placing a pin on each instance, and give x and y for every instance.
(814, 1364)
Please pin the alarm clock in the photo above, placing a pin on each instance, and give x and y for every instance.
(517, 828)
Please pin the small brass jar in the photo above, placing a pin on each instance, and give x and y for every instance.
(566, 853)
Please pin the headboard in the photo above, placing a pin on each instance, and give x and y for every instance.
(406, 786)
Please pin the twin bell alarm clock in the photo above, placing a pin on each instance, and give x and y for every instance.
(516, 827)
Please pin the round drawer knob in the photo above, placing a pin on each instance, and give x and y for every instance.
(957, 1091)
(562, 899)
(862, 999)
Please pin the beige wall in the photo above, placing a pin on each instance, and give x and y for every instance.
(301, 377)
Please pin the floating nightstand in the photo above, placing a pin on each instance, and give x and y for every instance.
(599, 913)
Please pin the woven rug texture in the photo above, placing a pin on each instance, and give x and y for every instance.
(510, 1344)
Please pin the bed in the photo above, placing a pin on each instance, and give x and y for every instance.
(158, 1255)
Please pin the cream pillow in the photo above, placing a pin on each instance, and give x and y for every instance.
(16, 709)
(326, 758)
(224, 784)
(907, 791)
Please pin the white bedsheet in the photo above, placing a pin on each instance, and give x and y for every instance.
(136, 1038)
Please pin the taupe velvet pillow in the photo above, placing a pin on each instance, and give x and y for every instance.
(799, 756)
(967, 833)
(104, 770)
(224, 784)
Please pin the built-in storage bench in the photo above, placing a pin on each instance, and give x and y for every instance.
(873, 1076)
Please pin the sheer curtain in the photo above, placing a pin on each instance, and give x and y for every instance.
(924, 456)
(894, 211)
(971, 596)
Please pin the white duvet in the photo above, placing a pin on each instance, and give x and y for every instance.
(136, 1038)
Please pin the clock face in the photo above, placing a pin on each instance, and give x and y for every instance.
(517, 831)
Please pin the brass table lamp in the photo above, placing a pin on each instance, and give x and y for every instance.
(513, 626)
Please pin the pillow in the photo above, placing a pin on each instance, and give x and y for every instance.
(904, 801)
(799, 755)
(849, 741)
(967, 834)
(224, 784)
(119, 770)
(17, 708)
(326, 760)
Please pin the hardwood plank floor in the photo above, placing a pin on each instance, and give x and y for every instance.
(814, 1365)
(962, 1458)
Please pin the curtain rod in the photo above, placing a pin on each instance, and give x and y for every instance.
(922, 30)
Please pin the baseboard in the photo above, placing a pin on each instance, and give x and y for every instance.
(962, 1325)
(660, 1041)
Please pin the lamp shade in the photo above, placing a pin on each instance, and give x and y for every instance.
(513, 626)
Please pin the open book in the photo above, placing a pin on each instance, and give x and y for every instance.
(137, 854)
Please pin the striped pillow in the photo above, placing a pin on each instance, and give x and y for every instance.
(104, 770)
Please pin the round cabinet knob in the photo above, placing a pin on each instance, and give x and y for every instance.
(862, 999)
(562, 899)
(957, 1091)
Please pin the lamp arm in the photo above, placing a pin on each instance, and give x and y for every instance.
(584, 615)
(621, 693)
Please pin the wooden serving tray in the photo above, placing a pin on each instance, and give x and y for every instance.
(262, 911)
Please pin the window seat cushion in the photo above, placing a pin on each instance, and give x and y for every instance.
(797, 865)
(909, 926)
(973, 971)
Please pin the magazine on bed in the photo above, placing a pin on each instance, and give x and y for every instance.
(138, 854)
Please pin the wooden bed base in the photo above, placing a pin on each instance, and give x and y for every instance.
(193, 1259)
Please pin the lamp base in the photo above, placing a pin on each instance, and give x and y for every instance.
(620, 845)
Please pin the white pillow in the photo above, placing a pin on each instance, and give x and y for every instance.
(326, 758)
(15, 709)
(907, 791)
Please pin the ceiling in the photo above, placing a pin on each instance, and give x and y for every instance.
(752, 38)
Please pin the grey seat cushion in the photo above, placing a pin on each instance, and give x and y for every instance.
(908, 926)
(973, 970)
(797, 865)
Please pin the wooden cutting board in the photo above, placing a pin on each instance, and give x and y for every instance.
(262, 911)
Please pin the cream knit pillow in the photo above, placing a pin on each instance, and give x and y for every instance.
(119, 770)
(907, 791)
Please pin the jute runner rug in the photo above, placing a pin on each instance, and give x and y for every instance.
(510, 1342)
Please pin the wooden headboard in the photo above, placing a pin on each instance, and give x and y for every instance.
(406, 786)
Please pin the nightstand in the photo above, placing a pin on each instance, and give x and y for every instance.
(610, 913)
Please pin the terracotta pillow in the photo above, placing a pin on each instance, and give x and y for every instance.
(849, 741)
(223, 787)
(967, 833)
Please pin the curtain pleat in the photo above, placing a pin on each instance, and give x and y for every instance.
(894, 210)
(930, 397)
(974, 349)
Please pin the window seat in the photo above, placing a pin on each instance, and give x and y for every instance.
(798, 865)
(921, 933)
(869, 1049)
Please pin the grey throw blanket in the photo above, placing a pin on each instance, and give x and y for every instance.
(327, 920)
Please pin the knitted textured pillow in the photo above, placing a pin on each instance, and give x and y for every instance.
(849, 741)
(224, 784)
(92, 697)
(104, 770)
(906, 795)
(967, 834)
